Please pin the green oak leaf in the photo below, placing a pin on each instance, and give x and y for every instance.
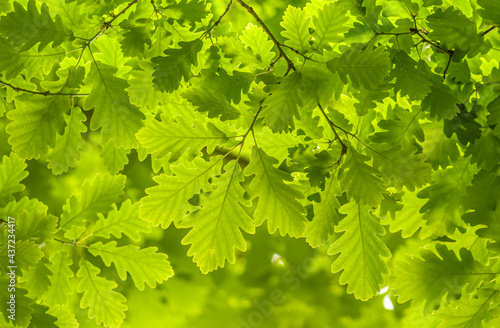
(361, 251)
(444, 208)
(29, 27)
(215, 233)
(214, 103)
(455, 31)
(105, 304)
(326, 215)
(36, 226)
(168, 201)
(60, 280)
(281, 106)
(434, 275)
(277, 200)
(37, 279)
(412, 80)
(330, 25)
(114, 158)
(469, 311)
(256, 39)
(366, 68)
(482, 202)
(176, 136)
(96, 196)
(124, 221)
(35, 123)
(177, 63)
(296, 26)
(119, 119)
(145, 266)
(361, 180)
(12, 172)
(66, 151)
(489, 10)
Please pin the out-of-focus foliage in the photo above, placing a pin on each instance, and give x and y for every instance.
(250, 163)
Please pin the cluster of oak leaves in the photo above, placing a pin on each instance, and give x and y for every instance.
(346, 117)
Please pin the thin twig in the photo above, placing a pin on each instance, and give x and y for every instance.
(209, 30)
(488, 30)
(450, 54)
(301, 54)
(44, 93)
(435, 45)
(252, 12)
(108, 23)
(396, 34)
(333, 126)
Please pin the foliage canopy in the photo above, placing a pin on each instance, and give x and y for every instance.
(291, 159)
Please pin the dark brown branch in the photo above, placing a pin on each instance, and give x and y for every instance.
(252, 12)
(44, 93)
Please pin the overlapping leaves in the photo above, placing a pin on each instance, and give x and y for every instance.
(228, 111)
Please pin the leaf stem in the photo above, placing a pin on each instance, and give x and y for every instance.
(252, 12)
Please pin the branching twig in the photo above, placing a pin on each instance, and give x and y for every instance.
(435, 45)
(252, 12)
(337, 137)
(44, 93)
(105, 26)
(301, 54)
